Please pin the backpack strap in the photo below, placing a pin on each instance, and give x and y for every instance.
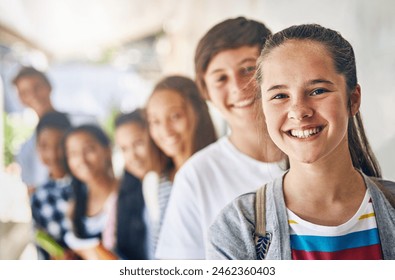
(261, 237)
(388, 195)
(260, 213)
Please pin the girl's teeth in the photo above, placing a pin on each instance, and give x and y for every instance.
(305, 133)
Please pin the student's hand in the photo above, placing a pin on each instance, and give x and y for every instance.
(96, 253)
(88, 254)
(13, 169)
(70, 255)
(105, 254)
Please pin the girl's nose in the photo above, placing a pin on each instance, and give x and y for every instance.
(299, 111)
(167, 128)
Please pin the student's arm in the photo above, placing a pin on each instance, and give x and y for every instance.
(230, 237)
(33, 171)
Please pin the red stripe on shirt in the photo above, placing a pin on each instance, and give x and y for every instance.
(372, 252)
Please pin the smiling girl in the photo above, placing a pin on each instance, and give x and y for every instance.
(328, 205)
(180, 125)
(128, 235)
(88, 156)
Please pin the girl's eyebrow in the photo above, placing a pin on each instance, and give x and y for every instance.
(277, 87)
(319, 81)
(309, 83)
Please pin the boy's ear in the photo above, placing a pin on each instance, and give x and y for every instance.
(355, 100)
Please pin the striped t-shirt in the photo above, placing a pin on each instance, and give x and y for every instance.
(164, 191)
(357, 239)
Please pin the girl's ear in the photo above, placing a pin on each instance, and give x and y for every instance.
(355, 100)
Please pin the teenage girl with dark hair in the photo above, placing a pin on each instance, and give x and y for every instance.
(88, 157)
(128, 234)
(180, 125)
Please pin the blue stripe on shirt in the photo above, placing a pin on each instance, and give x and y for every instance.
(335, 243)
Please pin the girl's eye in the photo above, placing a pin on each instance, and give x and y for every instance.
(175, 116)
(72, 154)
(318, 91)
(279, 96)
(153, 122)
(90, 149)
(220, 79)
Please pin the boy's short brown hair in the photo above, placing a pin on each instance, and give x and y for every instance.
(229, 34)
(28, 71)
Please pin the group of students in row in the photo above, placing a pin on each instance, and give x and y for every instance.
(84, 207)
(294, 178)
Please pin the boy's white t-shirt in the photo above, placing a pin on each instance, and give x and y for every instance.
(204, 185)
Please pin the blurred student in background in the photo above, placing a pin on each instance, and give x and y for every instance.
(88, 156)
(50, 201)
(242, 161)
(34, 91)
(128, 231)
(180, 125)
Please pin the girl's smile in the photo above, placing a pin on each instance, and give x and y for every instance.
(306, 132)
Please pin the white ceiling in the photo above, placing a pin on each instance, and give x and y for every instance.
(69, 28)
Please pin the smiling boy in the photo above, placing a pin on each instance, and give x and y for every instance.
(237, 163)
